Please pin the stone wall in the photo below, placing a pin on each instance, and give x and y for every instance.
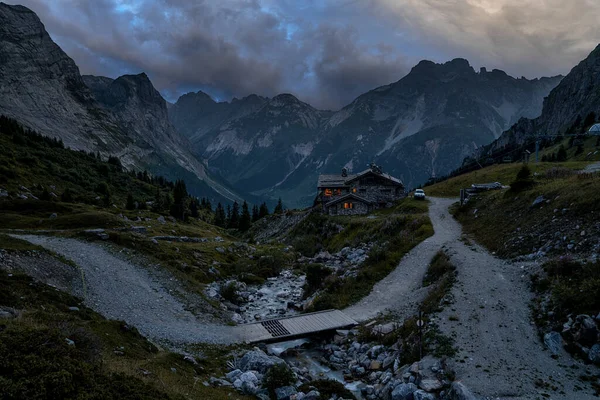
(357, 209)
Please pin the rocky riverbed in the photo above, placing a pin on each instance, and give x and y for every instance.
(368, 371)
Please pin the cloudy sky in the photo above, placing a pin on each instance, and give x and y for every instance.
(326, 52)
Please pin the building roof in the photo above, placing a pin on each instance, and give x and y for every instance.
(347, 197)
(337, 180)
(334, 180)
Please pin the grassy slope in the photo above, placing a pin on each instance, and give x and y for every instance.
(36, 360)
(503, 173)
(503, 216)
(396, 230)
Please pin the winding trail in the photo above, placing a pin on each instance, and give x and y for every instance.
(401, 291)
(119, 289)
(500, 353)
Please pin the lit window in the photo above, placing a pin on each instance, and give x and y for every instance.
(339, 191)
(328, 192)
(353, 190)
(348, 206)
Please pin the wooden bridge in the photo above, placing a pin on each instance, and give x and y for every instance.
(286, 328)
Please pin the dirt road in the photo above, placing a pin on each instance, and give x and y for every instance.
(120, 289)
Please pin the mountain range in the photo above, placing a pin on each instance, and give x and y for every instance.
(421, 126)
(257, 147)
(577, 95)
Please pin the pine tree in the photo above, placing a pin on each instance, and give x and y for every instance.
(234, 220)
(220, 217)
(66, 197)
(180, 195)
(278, 207)
(562, 154)
(590, 120)
(228, 216)
(130, 202)
(245, 218)
(194, 208)
(208, 205)
(263, 211)
(255, 216)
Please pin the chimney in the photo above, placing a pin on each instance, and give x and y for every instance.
(344, 172)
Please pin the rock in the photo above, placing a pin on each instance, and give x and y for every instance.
(249, 387)
(257, 360)
(190, 359)
(404, 391)
(6, 313)
(162, 220)
(430, 385)
(594, 354)
(423, 395)
(154, 241)
(285, 392)
(249, 376)
(69, 342)
(312, 395)
(458, 391)
(375, 365)
(220, 250)
(53, 216)
(73, 308)
(538, 200)
(553, 342)
(139, 229)
(103, 236)
(233, 375)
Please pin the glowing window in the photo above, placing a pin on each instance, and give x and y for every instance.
(339, 191)
(348, 206)
(353, 190)
(328, 192)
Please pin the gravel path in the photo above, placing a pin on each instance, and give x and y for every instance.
(501, 355)
(119, 289)
(401, 291)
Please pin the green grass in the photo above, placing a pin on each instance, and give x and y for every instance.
(37, 362)
(440, 277)
(396, 231)
(503, 173)
(503, 215)
(10, 243)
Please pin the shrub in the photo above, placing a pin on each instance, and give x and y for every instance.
(328, 388)
(229, 292)
(277, 376)
(315, 275)
(523, 180)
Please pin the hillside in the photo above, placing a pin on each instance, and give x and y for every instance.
(42, 88)
(571, 107)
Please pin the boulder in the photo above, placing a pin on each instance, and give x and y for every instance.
(249, 376)
(553, 342)
(458, 391)
(430, 385)
(423, 395)
(258, 360)
(285, 392)
(53, 215)
(249, 388)
(312, 395)
(233, 375)
(404, 391)
(594, 354)
(161, 219)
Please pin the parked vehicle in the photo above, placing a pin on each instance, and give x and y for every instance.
(419, 194)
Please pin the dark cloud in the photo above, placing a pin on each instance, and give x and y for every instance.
(325, 52)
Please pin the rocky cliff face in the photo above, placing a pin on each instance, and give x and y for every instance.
(41, 87)
(577, 95)
(422, 125)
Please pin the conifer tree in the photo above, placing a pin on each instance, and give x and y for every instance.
(220, 217)
(130, 203)
(245, 218)
(194, 208)
(255, 216)
(263, 211)
(278, 207)
(180, 195)
(561, 155)
(234, 220)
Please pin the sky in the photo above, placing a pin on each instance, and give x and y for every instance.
(325, 52)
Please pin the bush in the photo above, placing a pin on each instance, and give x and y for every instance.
(315, 276)
(523, 180)
(277, 376)
(229, 292)
(327, 389)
